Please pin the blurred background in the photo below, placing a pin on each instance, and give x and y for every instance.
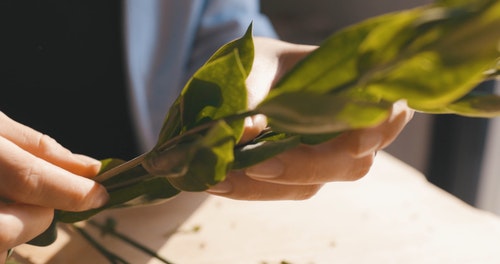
(458, 154)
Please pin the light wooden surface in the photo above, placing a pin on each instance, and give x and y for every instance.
(393, 215)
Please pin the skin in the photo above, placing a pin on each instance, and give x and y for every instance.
(299, 173)
(39, 175)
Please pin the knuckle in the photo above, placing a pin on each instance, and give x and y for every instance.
(27, 183)
(45, 144)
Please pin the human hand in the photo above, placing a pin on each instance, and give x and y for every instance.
(38, 175)
(299, 173)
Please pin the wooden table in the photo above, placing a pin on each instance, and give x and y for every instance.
(393, 215)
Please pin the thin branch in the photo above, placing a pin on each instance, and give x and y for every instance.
(112, 257)
(120, 168)
(111, 231)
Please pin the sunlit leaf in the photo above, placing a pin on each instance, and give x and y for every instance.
(263, 147)
(472, 105)
(203, 162)
(431, 56)
(308, 113)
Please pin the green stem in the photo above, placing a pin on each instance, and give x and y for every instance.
(139, 159)
(112, 257)
(128, 240)
(202, 127)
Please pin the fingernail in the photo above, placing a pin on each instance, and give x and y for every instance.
(398, 108)
(368, 143)
(220, 188)
(268, 169)
(101, 197)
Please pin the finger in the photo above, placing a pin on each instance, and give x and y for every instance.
(312, 165)
(401, 114)
(239, 186)
(46, 148)
(20, 223)
(273, 58)
(31, 180)
(366, 141)
(331, 161)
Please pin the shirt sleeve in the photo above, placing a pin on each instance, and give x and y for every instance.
(223, 21)
(167, 41)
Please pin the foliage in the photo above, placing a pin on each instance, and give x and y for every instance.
(431, 56)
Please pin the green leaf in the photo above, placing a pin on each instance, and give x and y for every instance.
(263, 147)
(270, 144)
(331, 66)
(46, 238)
(127, 191)
(448, 60)
(431, 56)
(310, 113)
(215, 91)
(197, 152)
(472, 105)
(243, 45)
(145, 192)
(199, 163)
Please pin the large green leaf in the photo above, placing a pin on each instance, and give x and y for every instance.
(449, 58)
(431, 56)
(263, 147)
(199, 163)
(311, 113)
(333, 65)
(216, 90)
(144, 192)
(472, 105)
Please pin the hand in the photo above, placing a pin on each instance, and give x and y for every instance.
(38, 175)
(299, 173)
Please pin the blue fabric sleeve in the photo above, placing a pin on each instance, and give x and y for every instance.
(167, 41)
(223, 21)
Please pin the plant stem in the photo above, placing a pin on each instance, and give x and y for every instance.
(112, 257)
(202, 127)
(128, 240)
(139, 159)
(120, 168)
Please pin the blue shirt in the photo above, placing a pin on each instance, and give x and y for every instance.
(167, 40)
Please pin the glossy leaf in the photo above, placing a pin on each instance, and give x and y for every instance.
(201, 162)
(447, 67)
(311, 113)
(472, 105)
(263, 147)
(216, 90)
(431, 56)
(147, 191)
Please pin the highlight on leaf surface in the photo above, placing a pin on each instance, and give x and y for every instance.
(431, 56)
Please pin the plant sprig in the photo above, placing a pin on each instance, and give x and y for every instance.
(431, 56)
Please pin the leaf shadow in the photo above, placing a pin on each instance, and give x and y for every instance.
(151, 225)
